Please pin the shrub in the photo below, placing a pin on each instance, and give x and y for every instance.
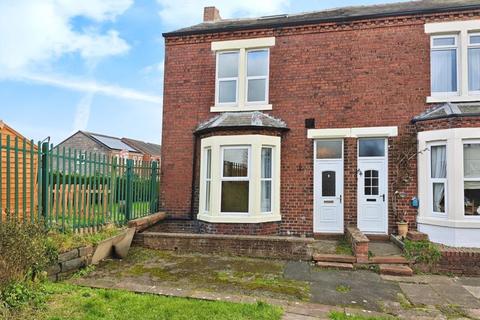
(25, 251)
(422, 252)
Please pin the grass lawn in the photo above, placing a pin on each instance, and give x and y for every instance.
(69, 302)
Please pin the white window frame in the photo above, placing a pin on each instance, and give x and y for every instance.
(463, 30)
(255, 143)
(243, 47)
(208, 180)
(271, 179)
(472, 46)
(266, 77)
(218, 80)
(476, 141)
(458, 57)
(431, 180)
(226, 179)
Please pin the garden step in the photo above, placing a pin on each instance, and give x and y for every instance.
(333, 258)
(335, 265)
(395, 270)
(389, 260)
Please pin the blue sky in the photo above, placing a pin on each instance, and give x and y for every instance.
(97, 65)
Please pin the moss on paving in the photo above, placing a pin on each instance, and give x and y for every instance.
(205, 272)
(343, 288)
(345, 316)
(343, 247)
(69, 302)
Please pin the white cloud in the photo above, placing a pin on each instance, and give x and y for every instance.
(82, 112)
(188, 12)
(34, 32)
(82, 85)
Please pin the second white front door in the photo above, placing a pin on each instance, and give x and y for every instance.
(372, 186)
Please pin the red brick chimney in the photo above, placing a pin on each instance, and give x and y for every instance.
(211, 14)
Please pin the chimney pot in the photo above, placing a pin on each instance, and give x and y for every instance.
(211, 14)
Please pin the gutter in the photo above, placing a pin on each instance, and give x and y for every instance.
(449, 116)
(237, 128)
(340, 19)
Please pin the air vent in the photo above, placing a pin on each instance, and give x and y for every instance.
(277, 16)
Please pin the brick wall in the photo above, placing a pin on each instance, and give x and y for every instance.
(360, 74)
(459, 261)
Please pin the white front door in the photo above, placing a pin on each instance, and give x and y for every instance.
(328, 186)
(372, 186)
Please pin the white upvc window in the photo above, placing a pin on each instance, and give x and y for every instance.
(240, 179)
(444, 65)
(474, 63)
(257, 76)
(471, 177)
(242, 75)
(208, 177)
(438, 178)
(455, 61)
(235, 180)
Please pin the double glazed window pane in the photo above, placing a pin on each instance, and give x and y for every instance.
(329, 184)
(444, 70)
(371, 147)
(266, 180)
(227, 77)
(257, 75)
(227, 91)
(438, 162)
(257, 90)
(329, 150)
(439, 197)
(235, 196)
(208, 176)
(474, 69)
(371, 183)
(235, 162)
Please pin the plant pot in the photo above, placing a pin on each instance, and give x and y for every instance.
(402, 229)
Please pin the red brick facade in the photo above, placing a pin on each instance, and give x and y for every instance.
(358, 74)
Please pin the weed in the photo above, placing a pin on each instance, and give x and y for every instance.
(343, 288)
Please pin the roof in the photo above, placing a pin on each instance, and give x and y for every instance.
(450, 110)
(232, 120)
(20, 136)
(145, 147)
(110, 142)
(344, 14)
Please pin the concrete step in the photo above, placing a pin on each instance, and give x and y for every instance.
(320, 257)
(335, 265)
(389, 260)
(395, 270)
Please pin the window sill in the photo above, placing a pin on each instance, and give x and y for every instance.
(239, 218)
(437, 99)
(463, 224)
(254, 107)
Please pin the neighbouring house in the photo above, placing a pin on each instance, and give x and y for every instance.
(304, 124)
(150, 151)
(18, 162)
(101, 145)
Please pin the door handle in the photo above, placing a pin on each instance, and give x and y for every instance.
(383, 197)
(340, 198)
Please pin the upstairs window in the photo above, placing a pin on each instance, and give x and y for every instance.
(227, 77)
(444, 52)
(242, 75)
(474, 63)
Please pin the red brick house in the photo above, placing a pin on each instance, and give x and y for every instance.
(304, 124)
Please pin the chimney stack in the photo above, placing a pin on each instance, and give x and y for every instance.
(211, 14)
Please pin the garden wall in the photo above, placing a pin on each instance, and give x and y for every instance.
(70, 262)
(251, 246)
(458, 261)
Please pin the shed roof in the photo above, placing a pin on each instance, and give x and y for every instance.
(344, 14)
(145, 147)
(253, 119)
(450, 110)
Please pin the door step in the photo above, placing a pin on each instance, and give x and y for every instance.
(389, 260)
(335, 265)
(395, 270)
(333, 258)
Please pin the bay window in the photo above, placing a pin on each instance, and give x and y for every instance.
(240, 179)
(471, 178)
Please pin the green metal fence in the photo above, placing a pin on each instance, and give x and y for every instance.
(73, 190)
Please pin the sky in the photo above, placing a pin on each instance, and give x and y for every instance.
(97, 65)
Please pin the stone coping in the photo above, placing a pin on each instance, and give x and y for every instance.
(228, 237)
(141, 224)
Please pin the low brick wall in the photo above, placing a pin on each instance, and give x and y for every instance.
(359, 244)
(70, 262)
(249, 246)
(459, 261)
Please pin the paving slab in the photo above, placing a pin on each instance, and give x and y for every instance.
(474, 291)
(421, 294)
(455, 294)
(384, 248)
(468, 281)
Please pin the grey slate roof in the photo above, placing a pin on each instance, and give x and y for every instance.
(332, 15)
(242, 119)
(145, 147)
(450, 110)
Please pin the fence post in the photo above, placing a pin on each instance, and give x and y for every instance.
(153, 188)
(44, 186)
(129, 191)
